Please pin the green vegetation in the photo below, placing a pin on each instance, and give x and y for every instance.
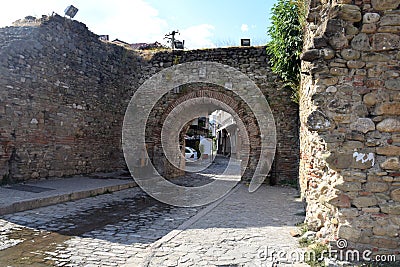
(176, 60)
(286, 42)
(318, 252)
(303, 228)
(305, 242)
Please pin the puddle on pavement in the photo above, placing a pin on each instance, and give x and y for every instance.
(38, 245)
(31, 251)
(97, 218)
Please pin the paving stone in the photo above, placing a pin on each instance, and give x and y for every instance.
(231, 232)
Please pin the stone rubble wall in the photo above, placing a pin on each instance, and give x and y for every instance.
(253, 62)
(350, 122)
(63, 96)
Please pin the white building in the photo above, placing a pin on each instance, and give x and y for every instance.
(227, 133)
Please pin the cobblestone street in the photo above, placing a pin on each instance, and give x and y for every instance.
(128, 228)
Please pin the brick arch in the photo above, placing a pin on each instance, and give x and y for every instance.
(63, 115)
(196, 91)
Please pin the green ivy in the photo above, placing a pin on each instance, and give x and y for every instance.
(286, 43)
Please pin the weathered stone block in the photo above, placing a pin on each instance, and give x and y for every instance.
(374, 83)
(333, 138)
(395, 195)
(385, 4)
(349, 233)
(393, 84)
(352, 145)
(379, 230)
(349, 212)
(381, 242)
(385, 41)
(344, 1)
(338, 160)
(390, 20)
(372, 143)
(339, 71)
(319, 42)
(318, 99)
(388, 179)
(350, 54)
(342, 118)
(311, 55)
(349, 186)
(374, 57)
(341, 201)
(355, 64)
(371, 17)
(376, 187)
(361, 42)
(392, 29)
(388, 109)
(328, 53)
(369, 28)
(391, 164)
(318, 121)
(388, 150)
(389, 125)
(333, 27)
(371, 210)
(355, 135)
(339, 41)
(396, 138)
(349, 13)
(351, 30)
(331, 89)
(361, 202)
(339, 106)
(363, 125)
(370, 99)
(390, 208)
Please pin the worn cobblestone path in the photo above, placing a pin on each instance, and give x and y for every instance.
(128, 228)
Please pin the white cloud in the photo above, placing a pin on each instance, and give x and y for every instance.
(128, 20)
(244, 27)
(18, 9)
(198, 36)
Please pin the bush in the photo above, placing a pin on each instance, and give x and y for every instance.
(286, 43)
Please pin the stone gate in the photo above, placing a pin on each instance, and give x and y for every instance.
(65, 93)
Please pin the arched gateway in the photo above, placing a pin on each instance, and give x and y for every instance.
(65, 93)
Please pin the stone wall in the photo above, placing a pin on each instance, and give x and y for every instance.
(64, 94)
(350, 122)
(253, 62)
(199, 91)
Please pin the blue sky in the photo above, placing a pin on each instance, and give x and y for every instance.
(202, 23)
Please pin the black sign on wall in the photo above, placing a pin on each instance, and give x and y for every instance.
(245, 42)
